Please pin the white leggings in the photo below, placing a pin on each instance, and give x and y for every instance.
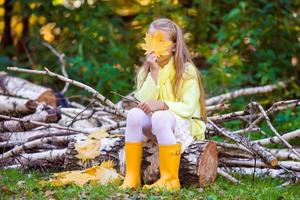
(161, 122)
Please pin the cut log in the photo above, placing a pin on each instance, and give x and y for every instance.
(20, 148)
(9, 144)
(198, 165)
(243, 92)
(48, 116)
(25, 136)
(13, 105)
(276, 139)
(260, 172)
(235, 162)
(52, 159)
(19, 87)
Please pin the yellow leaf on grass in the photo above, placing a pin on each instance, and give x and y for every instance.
(62, 174)
(107, 176)
(99, 134)
(104, 173)
(78, 177)
(87, 149)
(55, 182)
(156, 43)
(94, 170)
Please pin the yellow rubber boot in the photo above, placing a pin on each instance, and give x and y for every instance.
(133, 158)
(169, 160)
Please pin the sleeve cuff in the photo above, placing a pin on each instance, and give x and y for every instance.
(170, 105)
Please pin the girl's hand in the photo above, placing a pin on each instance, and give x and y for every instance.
(152, 60)
(151, 106)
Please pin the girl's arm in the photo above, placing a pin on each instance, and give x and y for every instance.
(190, 99)
(148, 90)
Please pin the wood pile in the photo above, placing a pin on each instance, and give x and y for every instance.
(36, 132)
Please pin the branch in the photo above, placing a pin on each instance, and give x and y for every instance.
(61, 58)
(227, 176)
(254, 147)
(247, 91)
(73, 82)
(272, 127)
(276, 139)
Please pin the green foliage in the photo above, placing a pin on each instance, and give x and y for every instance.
(16, 184)
(243, 43)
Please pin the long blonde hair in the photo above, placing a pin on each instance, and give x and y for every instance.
(181, 57)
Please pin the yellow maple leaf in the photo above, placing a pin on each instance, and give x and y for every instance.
(61, 174)
(107, 176)
(104, 173)
(87, 149)
(156, 44)
(107, 164)
(77, 177)
(94, 170)
(99, 134)
(56, 182)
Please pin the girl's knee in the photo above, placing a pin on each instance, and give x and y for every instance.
(161, 119)
(135, 117)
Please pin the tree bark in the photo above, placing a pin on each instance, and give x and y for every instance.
(16, 106)
(18, 87)
(49, 116)
(7, 39)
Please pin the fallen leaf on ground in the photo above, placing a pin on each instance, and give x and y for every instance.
(103, 174)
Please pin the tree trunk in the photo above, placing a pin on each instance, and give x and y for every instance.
(7, 39)
(198, 165)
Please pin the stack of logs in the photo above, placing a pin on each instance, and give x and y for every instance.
(35, 132)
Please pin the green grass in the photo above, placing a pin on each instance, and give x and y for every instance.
(15, 184)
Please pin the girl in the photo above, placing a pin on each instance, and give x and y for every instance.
(172, 98)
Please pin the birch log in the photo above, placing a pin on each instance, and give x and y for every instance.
(198, 163)
(237, 162)
(13, 105)
(52, 159)
(21, 148)
(260, 172)
(276, 139)
(245, 91)
(47, 116)
(25, 136)
(19, 87)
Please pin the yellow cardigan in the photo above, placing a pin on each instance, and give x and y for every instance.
(187, 106)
